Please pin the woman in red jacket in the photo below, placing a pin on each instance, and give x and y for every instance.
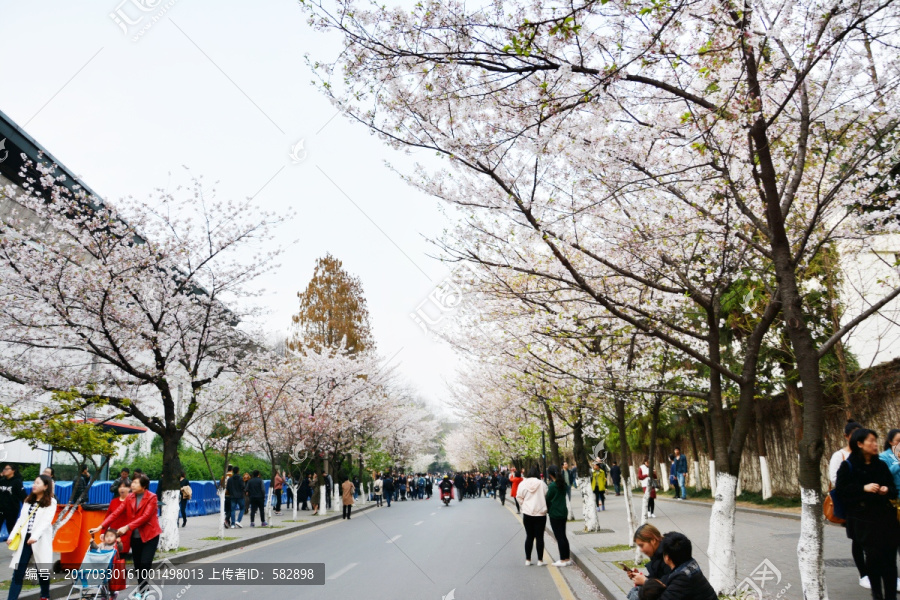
(141, 526)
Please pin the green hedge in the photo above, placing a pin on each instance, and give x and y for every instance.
(191, 461)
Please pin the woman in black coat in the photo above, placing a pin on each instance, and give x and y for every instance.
(865, 487)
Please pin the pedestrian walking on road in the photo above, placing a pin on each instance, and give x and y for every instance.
(12, 493)
(256, 490)
(315, 495)
(377, 488)
(532, 494)
(866, 487)
(514, 481)
(648, 540)
(615, 473)
(237, 489)
(142, 526)
(303, 493)
(34, 528)
(186, 493)
(347, 489)
(277, 490)
(680, 469)
(246, 480)
(387, 484)
(649, 485)
(598, 486)
(558, 513)
(837, 459)
(459, 481)
(502, 484)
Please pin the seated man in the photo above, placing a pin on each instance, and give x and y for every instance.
(686, 581)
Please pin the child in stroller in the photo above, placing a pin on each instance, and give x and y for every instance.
(101, 564)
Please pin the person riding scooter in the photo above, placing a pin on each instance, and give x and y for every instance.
(446, 487)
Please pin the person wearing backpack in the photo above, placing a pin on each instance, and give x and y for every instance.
(186, 493)
(598, 486)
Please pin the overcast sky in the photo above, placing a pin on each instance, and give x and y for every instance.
(226, 92)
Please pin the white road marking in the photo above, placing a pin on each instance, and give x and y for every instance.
(342, 571)
(420, 522)
(432, 514)
(393, 539)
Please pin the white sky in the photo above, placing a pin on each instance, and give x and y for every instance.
(223, 89)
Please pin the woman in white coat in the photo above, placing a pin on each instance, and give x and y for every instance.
(35, 525)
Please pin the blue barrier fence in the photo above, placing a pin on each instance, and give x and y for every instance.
(204, 500)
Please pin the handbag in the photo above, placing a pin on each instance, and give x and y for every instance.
(186, 492)
(833, 509)
(117, 580)
(15, 540)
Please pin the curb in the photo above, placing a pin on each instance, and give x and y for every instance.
(753, 511)
(61, 590)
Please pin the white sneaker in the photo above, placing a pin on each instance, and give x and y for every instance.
(527, 563)
(540, 563)
(898, 584)
(652, 516)
(238, 525)
(561, 563)
(864, 582)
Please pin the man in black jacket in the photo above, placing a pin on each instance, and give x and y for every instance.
(12, 493)
(460, 482)
(122, 478)
(387, 487)
(256, 489)
(80, 486)
(502, 484)
(235, 490)
(615, 473)
(686, 581)
(329, 488)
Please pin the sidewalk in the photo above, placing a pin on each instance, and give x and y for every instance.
(194, 545)
(760, 535)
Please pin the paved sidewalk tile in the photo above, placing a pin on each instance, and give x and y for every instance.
(759, 538)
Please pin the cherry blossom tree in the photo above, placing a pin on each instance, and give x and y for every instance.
(127, 303)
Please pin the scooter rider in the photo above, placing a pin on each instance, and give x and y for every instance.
(446, 486)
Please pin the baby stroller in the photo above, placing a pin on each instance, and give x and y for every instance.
(94, 576)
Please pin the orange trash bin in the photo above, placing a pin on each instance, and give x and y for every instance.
(73, 540)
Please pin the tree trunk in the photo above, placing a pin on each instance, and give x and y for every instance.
(625, 465)
(581, 460)
(551, 430)
(764, 474)
(812, 446)
(169, 492)
(588, 506)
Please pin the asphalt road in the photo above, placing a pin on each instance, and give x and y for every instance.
(414, 550)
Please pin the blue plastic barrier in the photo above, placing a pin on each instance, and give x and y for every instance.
(204, 500)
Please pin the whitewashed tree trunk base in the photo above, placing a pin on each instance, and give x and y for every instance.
(722, 563)
(629, 515)
(168, 521)
(698, 484)
(588, 509)
(322, 491)
(633, 479)
(766, 478)
(810, 546)
(570, 513)
(294, 489)
(221, 495)
(712, 478)
(665, 476)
